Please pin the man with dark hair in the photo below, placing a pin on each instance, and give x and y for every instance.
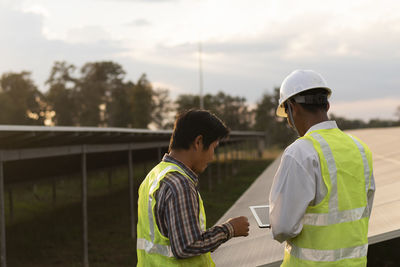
(322, 194)
(171, 218)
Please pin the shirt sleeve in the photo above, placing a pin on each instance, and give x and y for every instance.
(292, 191)
(182, 221)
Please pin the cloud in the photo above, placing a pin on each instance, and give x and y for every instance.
(357, 62)
(144, 1)
(139, 22)
(382, 108)
(87, 34)
(23, 45)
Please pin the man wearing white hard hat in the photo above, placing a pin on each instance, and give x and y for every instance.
(322, 193)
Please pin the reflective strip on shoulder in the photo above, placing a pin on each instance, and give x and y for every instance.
(327, 255)
(152, 188)
(323, 219)
(365, 162)
(150, 247)
(328, 155)
(202, 221)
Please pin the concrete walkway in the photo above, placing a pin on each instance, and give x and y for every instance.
(258, 248)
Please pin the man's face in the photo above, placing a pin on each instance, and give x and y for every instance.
(205, 156)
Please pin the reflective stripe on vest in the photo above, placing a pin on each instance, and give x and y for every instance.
(334, 215)
(327, 255)
(150, 246)
(153, 186)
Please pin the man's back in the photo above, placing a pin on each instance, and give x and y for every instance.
(319, 197)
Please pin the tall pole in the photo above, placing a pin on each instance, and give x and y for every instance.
(201, 77)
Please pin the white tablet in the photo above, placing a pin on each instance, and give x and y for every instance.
(261, 213)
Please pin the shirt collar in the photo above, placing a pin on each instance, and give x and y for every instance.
(187, 170)
(323, 126)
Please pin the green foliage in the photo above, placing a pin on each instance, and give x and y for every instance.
(98, 81)
(98, 95)
(346, 124)
(232, 110)
(61, 94)
(162, 110)
(118, 107)
(20, 100)
(277, 129)
(141, 98)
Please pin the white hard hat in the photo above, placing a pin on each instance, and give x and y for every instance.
(299, 81)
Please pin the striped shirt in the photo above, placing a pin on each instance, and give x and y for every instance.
(177, 215)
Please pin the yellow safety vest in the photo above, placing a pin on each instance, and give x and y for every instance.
(154, 249)
(335, 231)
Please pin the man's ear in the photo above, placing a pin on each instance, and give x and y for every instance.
(198, 142)
(327, 107)
(296, 107)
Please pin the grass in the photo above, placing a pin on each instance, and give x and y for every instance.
(46, 233)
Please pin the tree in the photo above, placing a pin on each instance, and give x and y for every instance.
(277, 130)
(94, 91)
(20, 100)
(162, 117)
(398, 113)
(232, 110)
(141, 103)
(265, 113)
(61, 97)
(119, 107)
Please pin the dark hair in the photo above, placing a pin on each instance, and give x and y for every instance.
(192, 123)
(320, 98)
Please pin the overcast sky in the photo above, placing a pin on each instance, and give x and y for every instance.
(249, 46)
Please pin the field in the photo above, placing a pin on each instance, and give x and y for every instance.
(45, 227)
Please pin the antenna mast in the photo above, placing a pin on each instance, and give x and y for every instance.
(201, 77)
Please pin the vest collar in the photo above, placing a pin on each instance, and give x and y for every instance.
(188, 171)
(322, 126)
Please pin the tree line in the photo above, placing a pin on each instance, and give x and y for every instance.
(98, 94)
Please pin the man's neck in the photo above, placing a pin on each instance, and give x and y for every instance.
(313, 120)
(183, 156)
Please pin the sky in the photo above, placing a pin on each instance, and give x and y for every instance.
(248, 46)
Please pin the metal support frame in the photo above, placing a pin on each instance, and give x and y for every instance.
(260, 146)
(3, 260)
(209, 173)
(232, 160)
(218, 167)
(11, 204)
(80, 149)
(226, 162)
(159, 153)
(84, 209)
(54, 190)
(131, 195)
(109, 178)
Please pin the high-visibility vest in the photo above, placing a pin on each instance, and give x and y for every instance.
(335, 231)
(154, 249)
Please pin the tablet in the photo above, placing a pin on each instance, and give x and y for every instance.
(261, 213)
